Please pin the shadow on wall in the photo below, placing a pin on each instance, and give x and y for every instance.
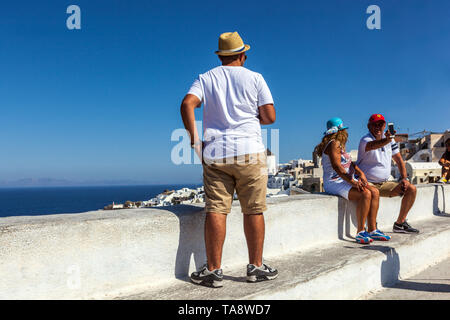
(345, 218)
(439, 189)
(390, 271)
(390, 268)
(191, 238)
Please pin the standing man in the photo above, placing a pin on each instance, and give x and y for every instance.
(236, 102)
(375, 153)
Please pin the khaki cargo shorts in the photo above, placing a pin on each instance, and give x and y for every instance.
(246, 174)
(385, 188)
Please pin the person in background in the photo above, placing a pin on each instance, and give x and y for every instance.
(376, 151)
(236, 102)
(445, 163)
(338, 179)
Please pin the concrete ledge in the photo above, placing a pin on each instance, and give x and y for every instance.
(344, 270)
(100, 254)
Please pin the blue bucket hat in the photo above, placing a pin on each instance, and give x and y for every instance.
(334, 125)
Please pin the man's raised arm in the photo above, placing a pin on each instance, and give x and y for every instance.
(376, 144)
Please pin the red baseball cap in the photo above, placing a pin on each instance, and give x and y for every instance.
(376, 117)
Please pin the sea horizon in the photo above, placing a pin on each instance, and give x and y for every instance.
(98, 185)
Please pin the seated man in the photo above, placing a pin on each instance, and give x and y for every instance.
(375, 153)
(445, 163)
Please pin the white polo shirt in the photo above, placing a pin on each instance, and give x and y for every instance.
(231, 96)
(376, 164)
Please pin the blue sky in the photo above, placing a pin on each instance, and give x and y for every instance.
(101, 103)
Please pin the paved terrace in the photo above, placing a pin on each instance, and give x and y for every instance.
(149, 253)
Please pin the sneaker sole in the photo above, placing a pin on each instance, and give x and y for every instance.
(364, 241)
(214, 284)
(404, 231)
(260, 278)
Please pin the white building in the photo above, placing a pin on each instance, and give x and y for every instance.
(354, 155)
(117, 206)
(423, 172)
(279, 181)
(272, 164)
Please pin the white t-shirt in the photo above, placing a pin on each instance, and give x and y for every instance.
(376, 164)
(231, 96)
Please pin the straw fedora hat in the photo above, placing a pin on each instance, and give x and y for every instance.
(230, 43)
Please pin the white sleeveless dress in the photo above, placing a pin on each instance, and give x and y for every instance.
(332, 182)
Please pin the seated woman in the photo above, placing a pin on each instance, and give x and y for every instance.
(445, 163)
(338, 171)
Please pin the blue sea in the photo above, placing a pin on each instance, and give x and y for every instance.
(54, 200)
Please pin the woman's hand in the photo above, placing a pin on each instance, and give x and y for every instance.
(363, 179)
(358, 184)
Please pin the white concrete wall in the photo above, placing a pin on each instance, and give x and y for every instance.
(103, 253)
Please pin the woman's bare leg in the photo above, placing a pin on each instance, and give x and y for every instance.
(373, 212)
(363, 199)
